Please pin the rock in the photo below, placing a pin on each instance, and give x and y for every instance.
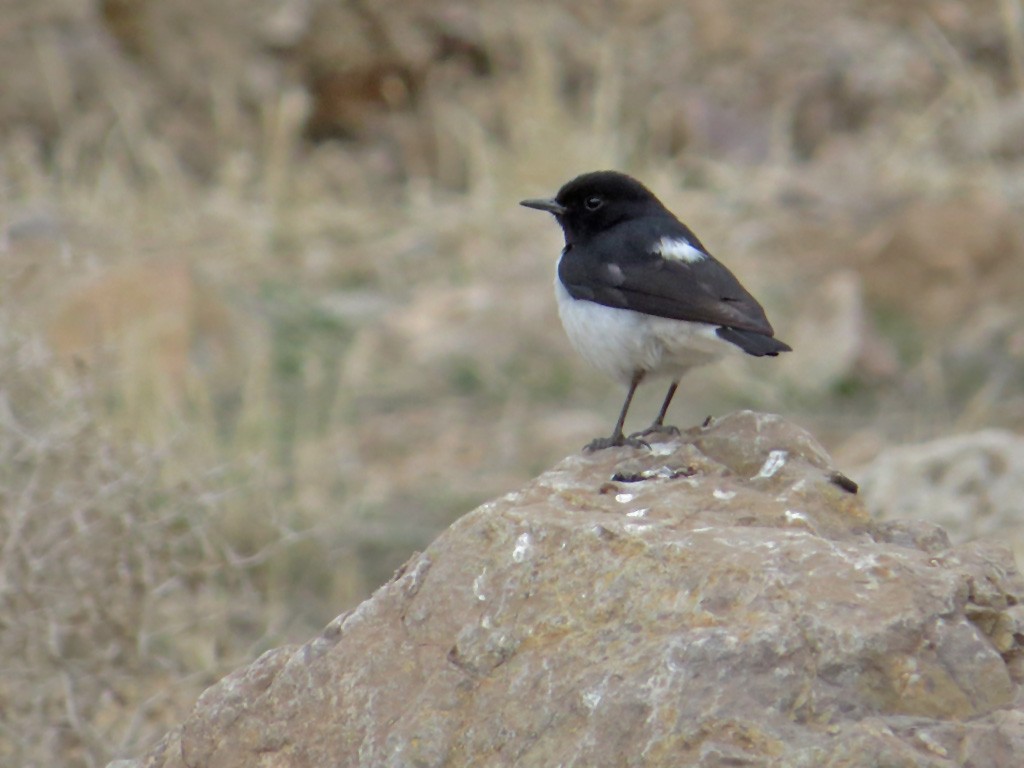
(716, 600)
(972, 485)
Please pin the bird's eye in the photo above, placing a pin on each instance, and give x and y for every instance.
(593, 203)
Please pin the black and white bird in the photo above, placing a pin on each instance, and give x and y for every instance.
(640, 296)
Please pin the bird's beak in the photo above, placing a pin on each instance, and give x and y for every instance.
(542, 204)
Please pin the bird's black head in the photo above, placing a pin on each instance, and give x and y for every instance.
(595, 202)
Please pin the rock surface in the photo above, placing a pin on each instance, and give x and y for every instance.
(717, 600)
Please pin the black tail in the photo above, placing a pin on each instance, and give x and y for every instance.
(753, 343)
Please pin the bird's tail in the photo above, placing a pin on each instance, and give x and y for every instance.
(753, 343)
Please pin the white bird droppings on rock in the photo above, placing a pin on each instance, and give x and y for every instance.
(776, 460)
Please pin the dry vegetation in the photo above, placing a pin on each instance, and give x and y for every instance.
(271, 318)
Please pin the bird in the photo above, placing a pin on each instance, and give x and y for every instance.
(639, 295)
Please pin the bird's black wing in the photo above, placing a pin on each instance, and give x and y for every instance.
(623, 268)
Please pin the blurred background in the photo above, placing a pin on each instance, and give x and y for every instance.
(271, 317)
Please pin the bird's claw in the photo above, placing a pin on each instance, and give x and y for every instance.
(656, 429)
(615, 441)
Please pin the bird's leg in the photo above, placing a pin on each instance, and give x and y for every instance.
(658, 425)
(617, 438)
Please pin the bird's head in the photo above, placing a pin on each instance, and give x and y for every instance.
(595, 202)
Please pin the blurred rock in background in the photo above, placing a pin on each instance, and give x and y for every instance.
(972, 485)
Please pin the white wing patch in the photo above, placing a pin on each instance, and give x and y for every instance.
(680, 250)
(615, 274)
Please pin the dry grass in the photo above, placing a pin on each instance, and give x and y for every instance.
(246, 374)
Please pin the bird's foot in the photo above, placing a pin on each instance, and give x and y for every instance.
(615, 441)
(666, 430)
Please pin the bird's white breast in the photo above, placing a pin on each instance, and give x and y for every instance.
(620, 342)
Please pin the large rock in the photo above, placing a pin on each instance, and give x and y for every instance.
(722, 599)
